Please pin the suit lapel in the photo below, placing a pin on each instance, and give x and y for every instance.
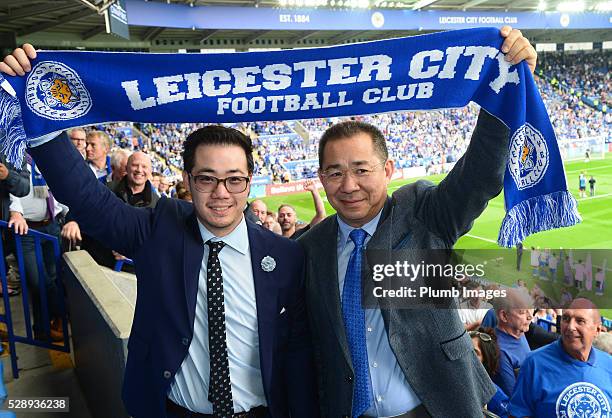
(266, 298)
(324, 261)
(193, 252)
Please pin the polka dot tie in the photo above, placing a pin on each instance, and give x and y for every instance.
(220, 387)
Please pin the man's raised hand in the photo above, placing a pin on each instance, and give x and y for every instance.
(18, 63)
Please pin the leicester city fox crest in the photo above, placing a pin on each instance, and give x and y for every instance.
(56, 92)
(583, 400)
(529, 157)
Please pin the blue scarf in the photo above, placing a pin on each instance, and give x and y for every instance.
(441, 70)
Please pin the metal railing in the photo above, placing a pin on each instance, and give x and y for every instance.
(7, 317)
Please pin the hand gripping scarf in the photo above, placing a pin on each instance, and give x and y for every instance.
(441, 70)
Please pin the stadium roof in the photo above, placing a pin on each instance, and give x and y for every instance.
(70, 24)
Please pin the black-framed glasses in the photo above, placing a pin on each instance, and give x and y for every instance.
(484, 337)
(206, 184)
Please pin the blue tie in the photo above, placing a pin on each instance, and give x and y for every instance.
(354, 322)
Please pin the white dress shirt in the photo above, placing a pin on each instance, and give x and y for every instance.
(34, 208)
(190, 386)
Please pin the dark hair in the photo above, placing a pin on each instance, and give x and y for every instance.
(286, 205)
(489, 350)
(351, 128)
(216, 135)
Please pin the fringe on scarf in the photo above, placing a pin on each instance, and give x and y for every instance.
(540, 213)
(12, 134)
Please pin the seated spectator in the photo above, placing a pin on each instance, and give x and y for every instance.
(513, 318)
(484, 341)
(568, 378)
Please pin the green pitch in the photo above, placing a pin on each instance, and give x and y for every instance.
(595, 231)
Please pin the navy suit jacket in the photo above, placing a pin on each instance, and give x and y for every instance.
(167, 249)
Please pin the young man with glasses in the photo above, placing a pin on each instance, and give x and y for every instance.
(397, 363)
(220, 327)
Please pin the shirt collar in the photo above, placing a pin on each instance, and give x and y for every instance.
(592, 360)
(345, 229)
(238, 239)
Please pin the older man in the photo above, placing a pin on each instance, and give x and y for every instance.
(135, 189)
(118, 162)
(513, 318)
(259, 209)
(397, 362)
(568, 378)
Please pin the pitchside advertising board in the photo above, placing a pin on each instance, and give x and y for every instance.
(207, 17)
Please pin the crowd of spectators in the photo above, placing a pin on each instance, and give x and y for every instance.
(570, 118)
(586, 72)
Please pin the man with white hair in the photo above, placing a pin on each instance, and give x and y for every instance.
(568, 378)
(118, 162)
(513, 318)
(259, 209)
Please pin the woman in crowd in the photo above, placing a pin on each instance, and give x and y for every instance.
(487, 351)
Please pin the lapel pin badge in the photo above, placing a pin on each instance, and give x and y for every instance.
(268, 264)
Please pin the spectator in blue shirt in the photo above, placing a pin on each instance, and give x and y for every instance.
(513, 318)
(568, 378)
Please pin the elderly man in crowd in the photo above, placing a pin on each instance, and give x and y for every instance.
(513, 318)
(396, 362)
(118, 162)
(259, 209)
(568, 378)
